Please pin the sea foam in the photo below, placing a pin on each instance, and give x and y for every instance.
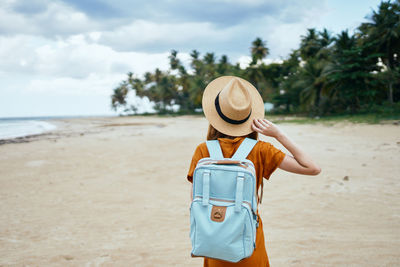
(11, 128)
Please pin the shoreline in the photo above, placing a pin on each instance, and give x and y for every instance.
(53, 131)
(80, 126)
(60, 121)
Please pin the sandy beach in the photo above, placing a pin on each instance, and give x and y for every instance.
(113, 192)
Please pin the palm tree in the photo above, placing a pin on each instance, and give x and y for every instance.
(174, 61)
(130, 77)
(309, 45)
(223, 65)
(196, 91)
(148, 77)
(209, 58)
(158, 74)
(195, 54)
(350, 81)
(344, 42)
(312, 80)
(209, 62)
(255, 76)
(289, 93)
(253, 72)
(118, 98)
(383, 28)
(259, 51)
(325, 38)
(196, 63)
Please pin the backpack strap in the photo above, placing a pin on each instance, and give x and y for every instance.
(242, 152)
(244, 149)
(214, 149)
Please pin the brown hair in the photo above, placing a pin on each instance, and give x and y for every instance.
(214, 134)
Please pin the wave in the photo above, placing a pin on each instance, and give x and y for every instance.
(19, 128)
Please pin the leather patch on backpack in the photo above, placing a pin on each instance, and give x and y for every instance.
(218, 213)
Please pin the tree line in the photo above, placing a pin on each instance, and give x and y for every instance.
(327, 74)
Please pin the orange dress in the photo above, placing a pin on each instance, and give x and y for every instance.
(266, 159)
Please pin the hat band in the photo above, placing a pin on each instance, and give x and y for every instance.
(225, 118)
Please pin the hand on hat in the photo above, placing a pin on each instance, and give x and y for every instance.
(266, 128)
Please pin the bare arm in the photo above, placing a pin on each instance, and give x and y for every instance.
(298, 163)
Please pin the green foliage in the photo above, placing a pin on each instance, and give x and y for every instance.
(259, 51)
(383, 29)
(328, 75)
(350, 79)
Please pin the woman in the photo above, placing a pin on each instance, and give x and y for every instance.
(235, 110)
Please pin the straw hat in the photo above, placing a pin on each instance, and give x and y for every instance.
(230, 104)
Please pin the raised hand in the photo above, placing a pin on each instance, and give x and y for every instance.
(266, 128)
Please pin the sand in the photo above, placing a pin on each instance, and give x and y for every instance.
(113, 192)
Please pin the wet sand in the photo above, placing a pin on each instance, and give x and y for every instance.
(113, 192)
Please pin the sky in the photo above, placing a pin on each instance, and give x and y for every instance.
(65, 57)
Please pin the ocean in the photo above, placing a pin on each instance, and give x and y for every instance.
(18, 127)
(23, 126)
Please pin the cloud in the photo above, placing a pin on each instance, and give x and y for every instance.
(76, 57)
(224, 13)
(62, 18)
(153, 37)
(221, 26)
(99, 9)
(45, 18)
(149, 36)
(31, 7)
(94, 84)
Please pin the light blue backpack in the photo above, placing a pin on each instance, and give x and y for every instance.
(223, 213)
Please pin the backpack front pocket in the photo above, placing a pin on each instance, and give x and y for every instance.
(220, 232)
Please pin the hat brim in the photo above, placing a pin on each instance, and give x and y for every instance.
(209, 109)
